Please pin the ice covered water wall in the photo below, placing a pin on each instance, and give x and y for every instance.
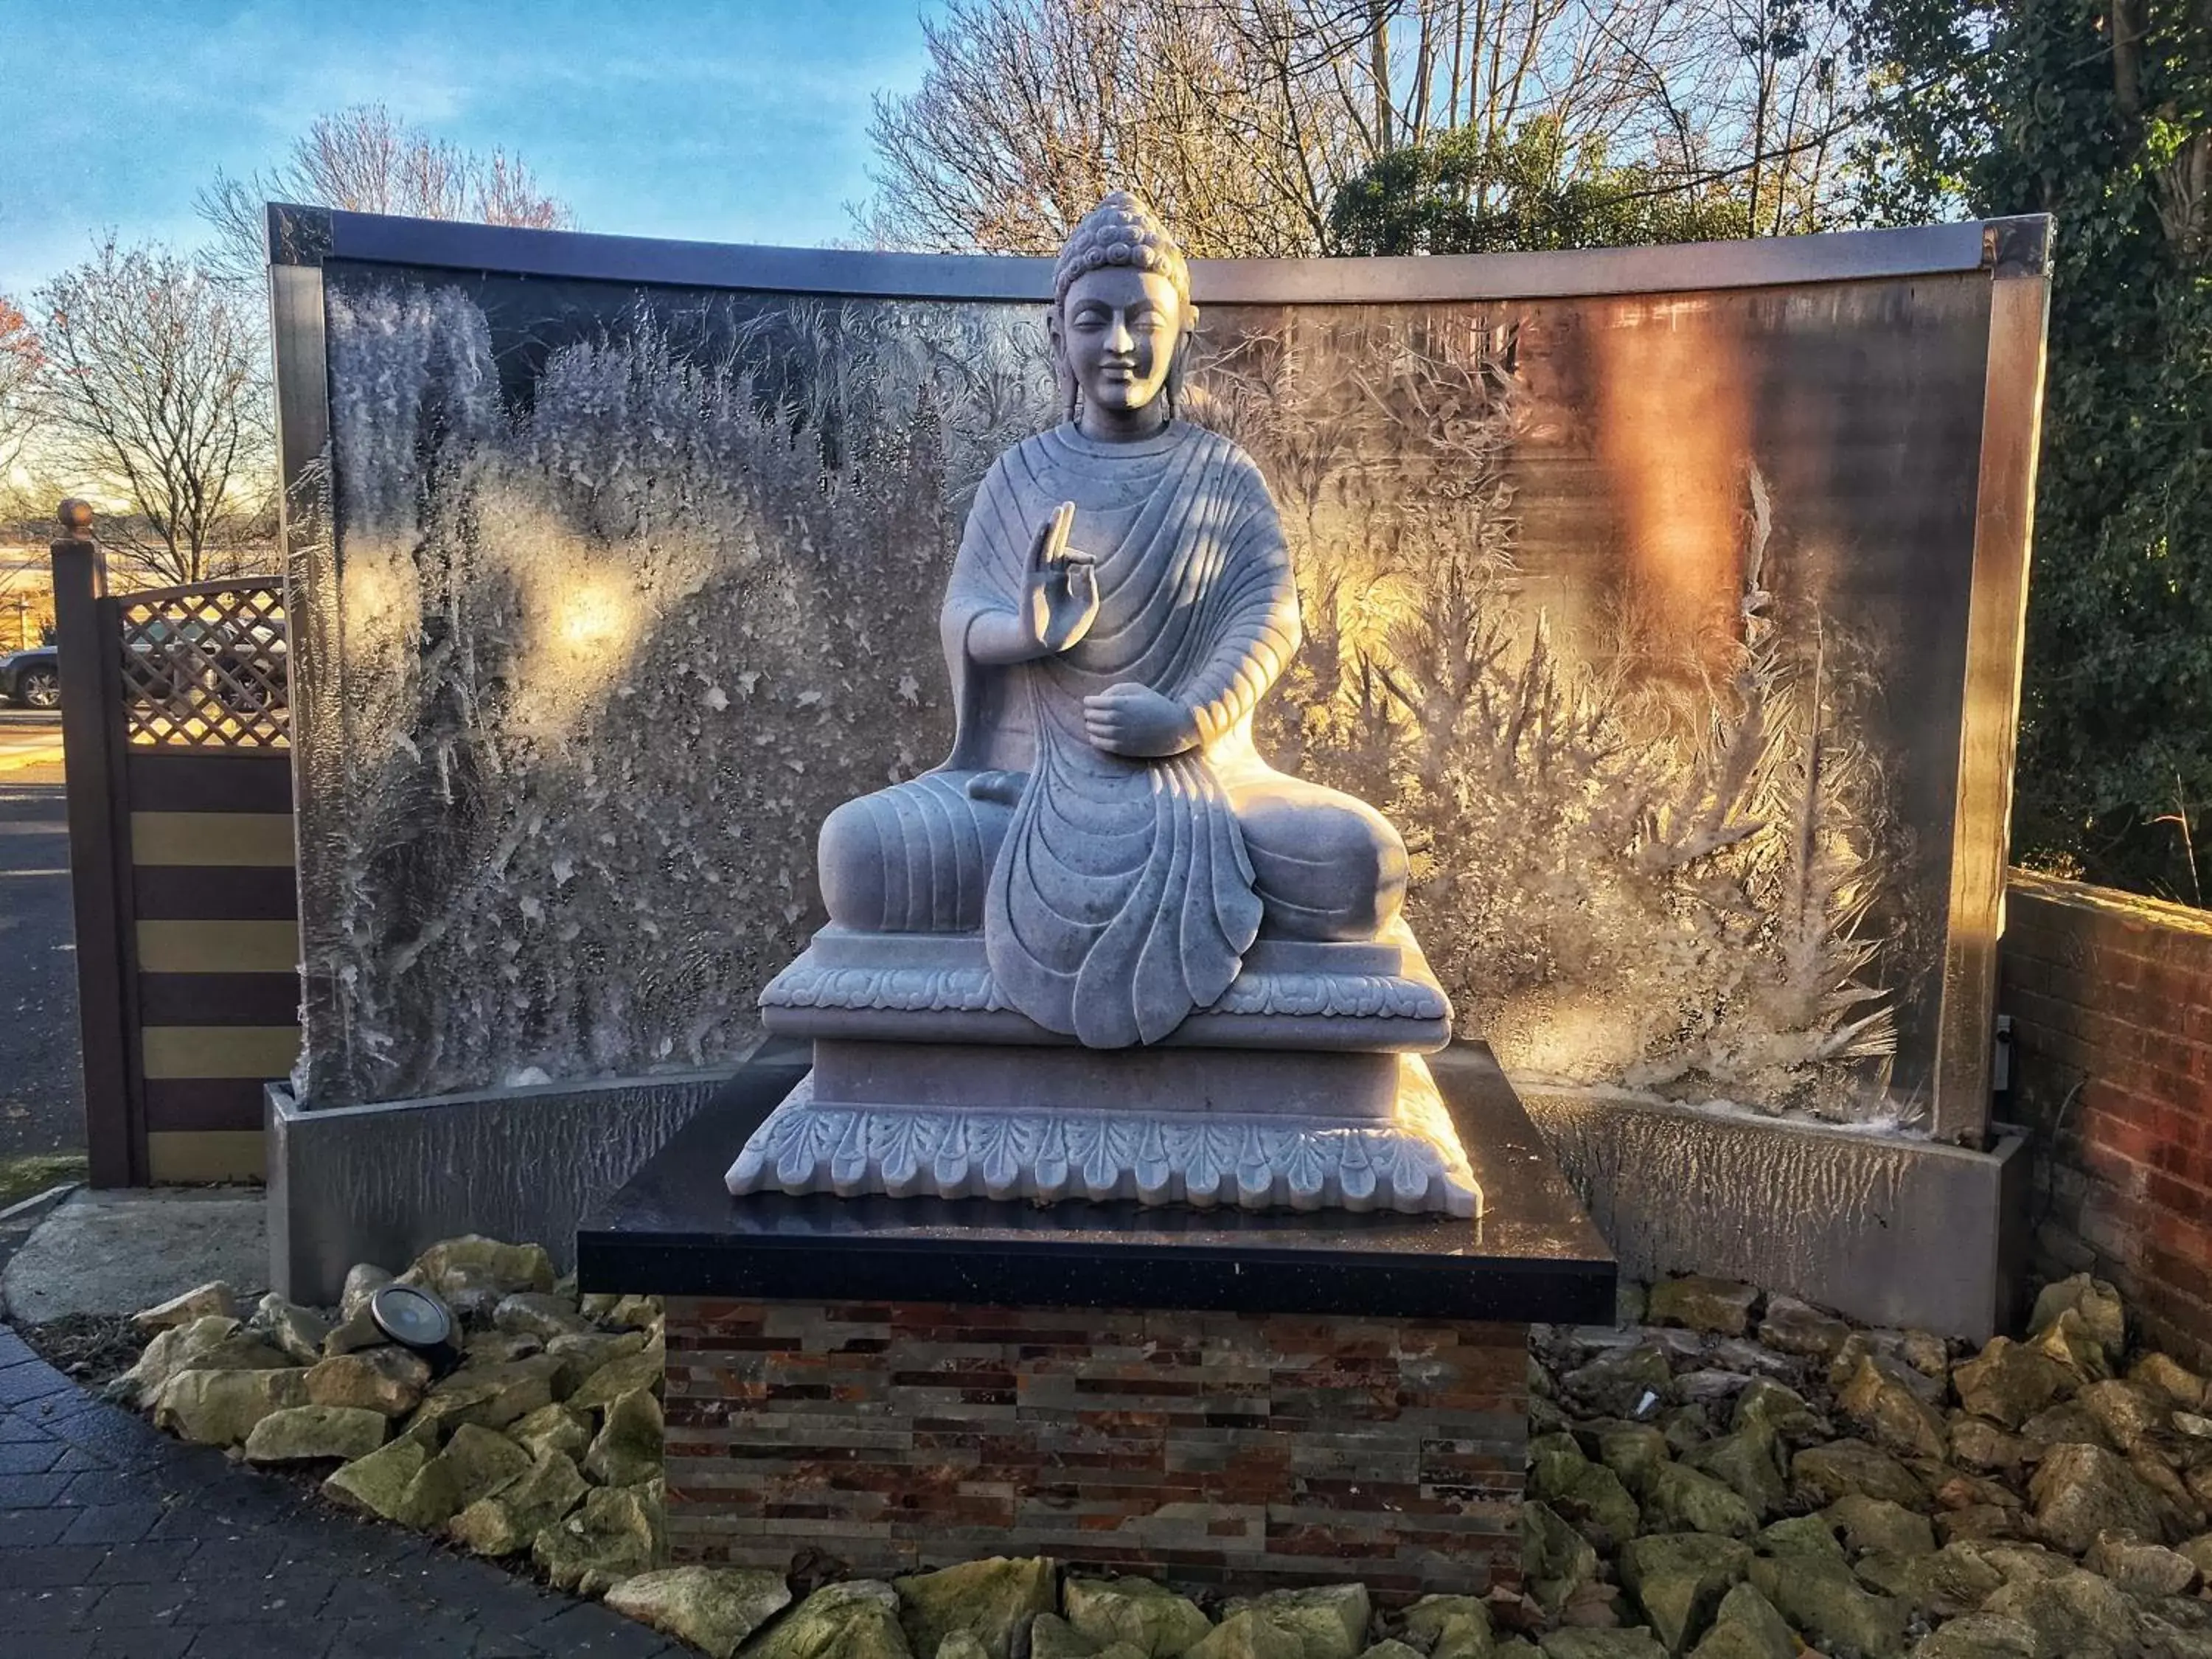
(1662, 599)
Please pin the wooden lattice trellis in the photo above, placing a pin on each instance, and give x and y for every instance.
(204, 667)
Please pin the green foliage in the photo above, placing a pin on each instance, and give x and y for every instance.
(2025, 107)
(1467, 191)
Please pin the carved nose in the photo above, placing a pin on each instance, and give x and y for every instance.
(1118, 339)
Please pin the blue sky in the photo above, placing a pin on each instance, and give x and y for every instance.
(727, 120)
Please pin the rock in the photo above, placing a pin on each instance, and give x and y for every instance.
(1632, 1451)
(1965, 1491)
(1876, 1524)
(471, 1266)
(1602, 1645)
(1678, 1579)
(1329, 1620)
(1981, 1636)
(1677, 1499)
(354, 1332)
(1557, 1561)
(2066, 1424)
(855, 1619)
(491, 1397)
(627, 1449)
(1844, 1466)
(1588, 1494)
(219, 1408)
(1629, 1385)
(1390, 1649)
(2198, 1551)
(1149, 1617)
(1980, 1521)
(2069, 1342)
(213, 1300)
(1822, 1598)
(213, 1344)
(510, 1522)
(2133, 1564)
(1768, 1404)
(1749, 1462)
(2008, 1383)
(559, 1427)
(1880, 1399)
(713, 1608)
(1979, 1444)
(1246, 1636)
(1798, 1328)
(1711, 1388)
(379, 1483)
(2097, 1306)
(993, 1600)
(1927, 1354)
(1721, 1306)
(1955, 1579)
(616, 1533)
(539, 1314)
(1746, 1626)
(390, 1381)
(2126, 1412)
(610, 1382)
(1686, 1428)
(1052, 1637)
(2080, 1491)
(2073, 1613)
(483, 1349)
(362, 1280)
(296, 1332)
(1800, 1534)
(303, 1434)
(478, 1463)
(2164, 1375)
(582, 1353)
(633, 1313)
(1450, 1627)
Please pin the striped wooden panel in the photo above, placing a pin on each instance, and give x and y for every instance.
(216, 900)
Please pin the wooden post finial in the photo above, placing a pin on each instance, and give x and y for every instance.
(76, 517)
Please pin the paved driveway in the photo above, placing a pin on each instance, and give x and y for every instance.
(28, 739)
(39, 1092)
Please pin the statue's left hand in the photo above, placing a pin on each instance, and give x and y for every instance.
(1136, 721)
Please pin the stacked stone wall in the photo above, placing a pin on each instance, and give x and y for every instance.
(1205, 1449)
(2110, 999)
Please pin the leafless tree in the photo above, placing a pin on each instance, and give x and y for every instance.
(19, 367)
(149, 391)
(1242, 118)
(366, 160)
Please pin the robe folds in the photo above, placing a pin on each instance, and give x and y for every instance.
(1122, 898)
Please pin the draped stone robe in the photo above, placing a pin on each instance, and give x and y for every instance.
(1117, 895)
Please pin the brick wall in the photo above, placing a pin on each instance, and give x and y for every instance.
(1206, 1448)
(2110, 997)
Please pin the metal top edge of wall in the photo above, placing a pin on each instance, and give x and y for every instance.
(309, 235)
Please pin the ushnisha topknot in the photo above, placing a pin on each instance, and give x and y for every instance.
(1121, 230)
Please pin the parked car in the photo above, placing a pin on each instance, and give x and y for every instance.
(32, 679)
(233, 665)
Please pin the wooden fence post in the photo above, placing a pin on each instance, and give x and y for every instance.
(85, 637)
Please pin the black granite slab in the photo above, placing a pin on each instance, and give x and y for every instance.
(1534, 1254)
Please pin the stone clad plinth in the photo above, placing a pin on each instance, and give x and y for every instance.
(1215, 1397)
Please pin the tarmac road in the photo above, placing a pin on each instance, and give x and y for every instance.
(40, 1086)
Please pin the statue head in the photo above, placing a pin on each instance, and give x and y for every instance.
(1121, 316)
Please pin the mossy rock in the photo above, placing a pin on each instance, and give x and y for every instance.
(1602, 1645)
(1746, 1626)
(379, 1483)
(307, 1434)
(994, 1601)
(610, 1382)
(1876, 1524)
(219, 1408)
(1556, 1560)
(616, 1533)
(1450, 1627)
(1678, 1498)
(713, 1608)
(856, 1619)
(510, 1522)
(1750, 1462)
(1330, 1621)
(1678, 1580)
(627, 1449)
(390, 1381)
(559, 1427)
(1837, 1614)
(1247, 1634)
(1149, 1617)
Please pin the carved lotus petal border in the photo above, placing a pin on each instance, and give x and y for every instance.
(972, 990)
(1414, 1163)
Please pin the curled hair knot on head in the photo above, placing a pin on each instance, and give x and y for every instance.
(1121, 230)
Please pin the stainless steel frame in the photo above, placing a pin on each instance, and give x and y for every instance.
(2013, 252)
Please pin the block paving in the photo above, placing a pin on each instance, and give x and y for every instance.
(115, 1539)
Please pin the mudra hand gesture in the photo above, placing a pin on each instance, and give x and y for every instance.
(1061, 601)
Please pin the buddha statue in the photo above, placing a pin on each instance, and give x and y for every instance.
(1104, 862)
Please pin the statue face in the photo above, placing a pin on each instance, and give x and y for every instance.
(1120, 328)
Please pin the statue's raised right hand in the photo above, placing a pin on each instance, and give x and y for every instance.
(1062, 600)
